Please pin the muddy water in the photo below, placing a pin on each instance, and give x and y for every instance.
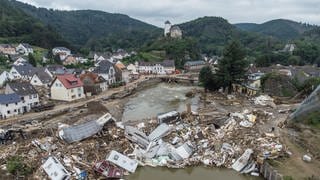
(191, 173)
(158, 99)
(163, 98)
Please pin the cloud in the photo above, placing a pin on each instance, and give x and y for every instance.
(178, 11)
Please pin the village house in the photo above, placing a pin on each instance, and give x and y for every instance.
(10, 105)
(28, 94)
(41, 77)
(93, 84)
(101, 56)
(150, 67)
(24, 48)
(69, 60)
(107, 70)
(123, 72)
(254, 80)
(289, 48)
(168, 66)
(62, 52)
(194, 65)
(132, 68)
(56, 69)
(19, 60)
(7, 49)
(5, 77)
(24, 72)
(66, 88)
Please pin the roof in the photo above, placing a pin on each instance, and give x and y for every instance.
(80, 132)
(24, 70)
(22, 88)
(70, 81)
(26, 45)
(61, 49)
(9, 98)
(43, 75)
(92, 76)
(168, 63)
(103, 67)
(6, 46)
(194, 63)
(120, 65)
(167, 22)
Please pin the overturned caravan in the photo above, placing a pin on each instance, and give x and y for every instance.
(79, 132)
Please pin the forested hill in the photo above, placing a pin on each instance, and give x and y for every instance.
(16, 26)
(95, 29)
(279, 28)
(212, 33)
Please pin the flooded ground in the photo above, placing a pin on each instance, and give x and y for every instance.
(191, 173)
(163, 98)
(159, 99)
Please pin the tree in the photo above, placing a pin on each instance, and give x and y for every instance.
(205, 74)
(232, 67)
(57, 59)
(32, 60)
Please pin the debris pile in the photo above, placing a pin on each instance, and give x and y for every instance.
(112, 149)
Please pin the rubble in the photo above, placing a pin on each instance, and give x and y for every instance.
(306, 158)
(265, 100)
(214, 137)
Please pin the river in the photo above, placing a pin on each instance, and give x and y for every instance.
(163, 98)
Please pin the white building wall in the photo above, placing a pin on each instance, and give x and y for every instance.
(10, 110)
(59, 92)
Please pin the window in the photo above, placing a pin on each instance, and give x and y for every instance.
(15, 110)
(8, 112)
(30, 97)
(35, 96)
(7, 105)
(16, 103)
(72, 90)
(79, 95)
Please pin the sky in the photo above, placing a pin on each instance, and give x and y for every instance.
(156, 12)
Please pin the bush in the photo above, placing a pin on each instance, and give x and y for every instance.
(16, 166)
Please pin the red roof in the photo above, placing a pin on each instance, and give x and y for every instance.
(69, 81)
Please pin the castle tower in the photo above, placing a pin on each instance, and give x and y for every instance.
(167, 27)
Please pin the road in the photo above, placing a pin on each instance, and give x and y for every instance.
(70, 105)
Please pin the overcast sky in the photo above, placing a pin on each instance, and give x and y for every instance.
(178, 11)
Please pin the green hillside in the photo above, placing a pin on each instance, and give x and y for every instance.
(279, 28)
(94, 29)
(16, 26)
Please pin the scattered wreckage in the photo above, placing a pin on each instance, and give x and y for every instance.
(169, 140)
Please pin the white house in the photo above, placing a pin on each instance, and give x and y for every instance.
(24, 71)
(41, 77)
(24, 48)
(5, 77)
(7, 49)
(107, 70)
(67, 88)
(28, 94)
(132, 68)
(20, 61)
(10, 105)
(62, 52)
(165, 67)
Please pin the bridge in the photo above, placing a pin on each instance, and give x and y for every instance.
(178, 78)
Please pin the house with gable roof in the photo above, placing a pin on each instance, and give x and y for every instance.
(67, 87)
(24, 48)
(28, 94)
